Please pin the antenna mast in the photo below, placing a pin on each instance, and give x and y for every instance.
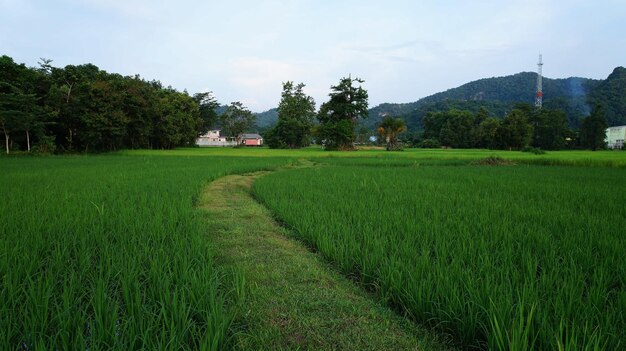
(539, 97)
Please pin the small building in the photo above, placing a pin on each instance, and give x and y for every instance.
(213, 138)
(615, 137)
(251, 140)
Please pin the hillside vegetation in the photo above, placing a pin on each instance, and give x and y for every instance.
(498, 95)
(611, 93)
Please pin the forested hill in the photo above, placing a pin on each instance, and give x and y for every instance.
(266, 119)
(574, 95)
(611, 93)
(519, 87)
(498, 95)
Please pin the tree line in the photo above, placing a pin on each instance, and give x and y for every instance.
(525, 126)
(83, 108)
(335, 125)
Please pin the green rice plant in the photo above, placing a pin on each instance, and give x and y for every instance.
(108, 252)
(524, 257)
(464, 156)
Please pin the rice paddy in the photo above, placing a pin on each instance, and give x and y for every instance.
(512, 257)
(109, 252)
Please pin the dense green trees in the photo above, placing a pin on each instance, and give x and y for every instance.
(486, 133)
(339, 115)
(515, 131)
(593, 129)
(83, 108)
(208, 106)
(523, 126)
(236, 120)
(21, 116)
(549, 129)
(296, 113)
(611, 94)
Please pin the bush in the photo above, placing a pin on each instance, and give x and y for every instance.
(45, 145)
(273, 140)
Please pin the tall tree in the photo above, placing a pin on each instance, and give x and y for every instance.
(296, 112)
(8, 112)
(549, 128)
(433, 123)
(389, 129)
(515, 131)
(236, 120)
(486, 133)
(208, 110)
(593, 129)
(179, 120)
(19, 108)
(457, 130)
(339, 115)
(18, 113)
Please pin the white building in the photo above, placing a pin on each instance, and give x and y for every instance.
(213, 138)
(615, 137)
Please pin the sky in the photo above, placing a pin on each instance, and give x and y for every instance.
(243, 50)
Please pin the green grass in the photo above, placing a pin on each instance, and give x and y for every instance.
(294, 300)
(108, 252)
(509, 257)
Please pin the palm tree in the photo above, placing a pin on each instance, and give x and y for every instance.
(389, 129)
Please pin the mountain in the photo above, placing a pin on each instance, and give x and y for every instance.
(611, 94)
(267, 119)
(498, 95)
(574, 95)
(264, 120)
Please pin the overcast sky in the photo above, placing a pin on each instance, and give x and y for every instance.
(242, 50)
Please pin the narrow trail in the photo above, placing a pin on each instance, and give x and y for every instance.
(294, 300)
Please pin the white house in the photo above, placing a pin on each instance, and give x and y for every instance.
(213, 138)
(615, 137)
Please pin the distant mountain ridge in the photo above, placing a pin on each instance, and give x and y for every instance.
(574, 95)
(266, 119)
(498, 95)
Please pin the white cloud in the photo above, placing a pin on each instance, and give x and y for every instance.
(259, 81)
(244, 49)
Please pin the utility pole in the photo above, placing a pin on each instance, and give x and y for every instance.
(539, 96)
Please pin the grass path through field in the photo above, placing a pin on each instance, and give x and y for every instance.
(293, 299)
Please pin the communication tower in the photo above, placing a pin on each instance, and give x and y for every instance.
(539, 96)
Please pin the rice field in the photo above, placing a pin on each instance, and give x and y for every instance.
(108, 252)
(506, 258)
(461, 156)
